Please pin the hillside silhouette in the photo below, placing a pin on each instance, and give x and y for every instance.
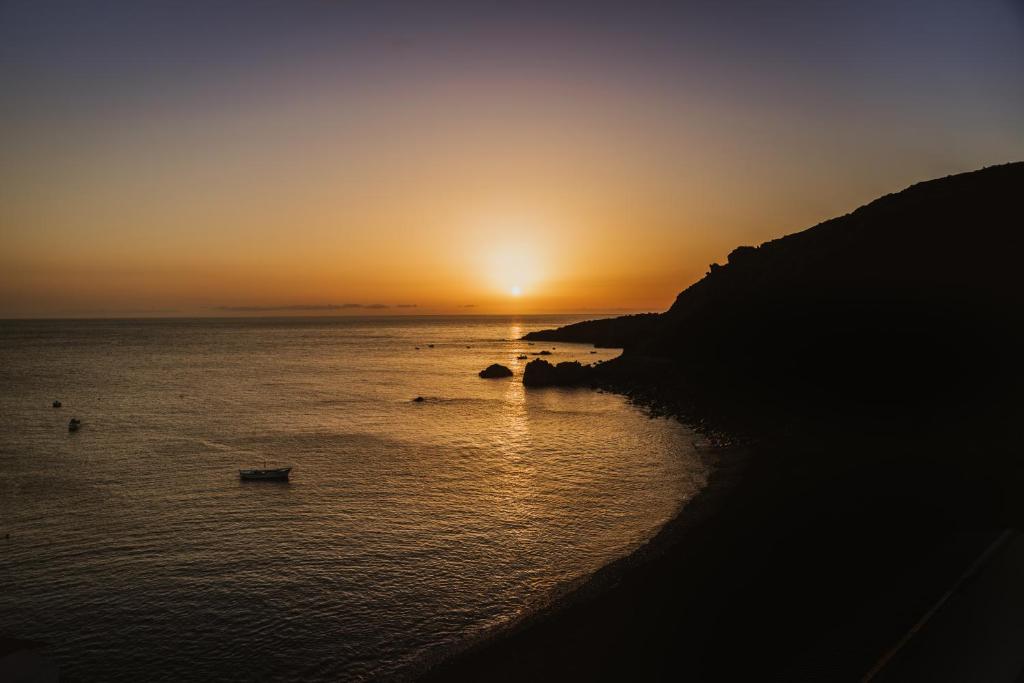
(867, 375)
(910, 303)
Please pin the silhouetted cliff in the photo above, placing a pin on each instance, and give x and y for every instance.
(910, 303)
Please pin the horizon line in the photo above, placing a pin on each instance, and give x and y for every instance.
(604, 311)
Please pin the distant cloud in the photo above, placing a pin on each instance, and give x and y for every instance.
(298, 307)
(406, 306)
(145, 311)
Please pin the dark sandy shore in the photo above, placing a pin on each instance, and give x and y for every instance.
(804, 558)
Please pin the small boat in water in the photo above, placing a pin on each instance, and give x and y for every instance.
(74, 424)
(272, 474)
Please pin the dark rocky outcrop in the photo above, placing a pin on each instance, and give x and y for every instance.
(911, 302)
(609, 333)
(495, 371)
(540, 373)
(741, 254)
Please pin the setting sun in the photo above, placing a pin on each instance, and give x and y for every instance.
(510, 268)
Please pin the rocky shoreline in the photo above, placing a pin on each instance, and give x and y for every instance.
(868, 371)
(799, 552)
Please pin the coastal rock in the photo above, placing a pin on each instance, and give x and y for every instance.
(495, 371)
(419, 399)
(619, 332)
(540, 373)
(741, 254)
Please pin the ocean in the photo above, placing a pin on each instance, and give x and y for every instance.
(132, 549)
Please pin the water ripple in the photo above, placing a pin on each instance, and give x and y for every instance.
(137, 553)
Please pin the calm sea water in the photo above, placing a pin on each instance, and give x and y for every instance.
(136, 553)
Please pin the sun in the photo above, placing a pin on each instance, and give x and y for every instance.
(511, 268)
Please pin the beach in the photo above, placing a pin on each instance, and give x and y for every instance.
(783, 565)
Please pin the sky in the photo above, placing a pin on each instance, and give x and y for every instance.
(314, 157)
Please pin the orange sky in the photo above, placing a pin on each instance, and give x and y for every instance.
(444, 185)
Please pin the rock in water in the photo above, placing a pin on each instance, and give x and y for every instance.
(540, 373)
(495, 371)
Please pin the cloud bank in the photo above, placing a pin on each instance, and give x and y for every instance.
(306, 308)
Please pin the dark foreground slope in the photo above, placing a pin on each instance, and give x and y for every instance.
(872, 365)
